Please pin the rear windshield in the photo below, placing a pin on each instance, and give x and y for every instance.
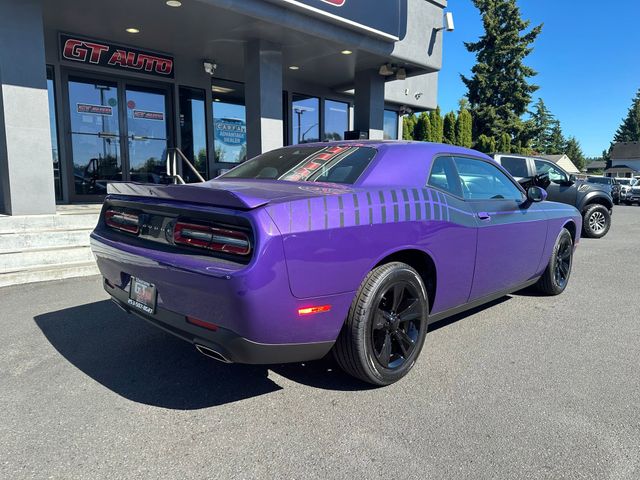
(332, 164)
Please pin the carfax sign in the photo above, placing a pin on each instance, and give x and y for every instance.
(383, 18)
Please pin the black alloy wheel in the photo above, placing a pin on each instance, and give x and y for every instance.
(386, 327)
(396, 325)
(555, 278)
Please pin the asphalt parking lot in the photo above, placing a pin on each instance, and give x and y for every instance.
(529, 387)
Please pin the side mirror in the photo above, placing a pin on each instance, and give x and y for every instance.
(572, 178)
(536, 194)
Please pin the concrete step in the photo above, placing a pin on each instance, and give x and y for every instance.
(19, 259)
(20, 241)
(55, 272)
(34, 223)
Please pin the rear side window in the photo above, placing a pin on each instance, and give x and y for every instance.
(483, 181)
(517, 167)
(333, 164)
(444, 176)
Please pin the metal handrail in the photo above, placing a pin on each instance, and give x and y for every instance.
(172, 166)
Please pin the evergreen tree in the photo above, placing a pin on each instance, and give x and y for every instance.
(573, 150)
(542, 122)
(408, 126)
(629, 130)
(422, 130)
(504, 143)
(449, 128)
(464, 127)
(437, 126)
(499, 90)
(486, 144)
(557, 142)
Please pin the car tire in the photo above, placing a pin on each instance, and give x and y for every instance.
(596, 221)
(386, 327)
(556, 276)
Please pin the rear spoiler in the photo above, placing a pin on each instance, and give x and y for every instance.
(201, 193)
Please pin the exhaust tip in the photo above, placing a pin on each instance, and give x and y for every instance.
(208, 352)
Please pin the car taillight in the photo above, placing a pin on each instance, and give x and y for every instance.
(212, 238)
(126, 222)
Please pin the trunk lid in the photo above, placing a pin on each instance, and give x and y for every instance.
(236, 194)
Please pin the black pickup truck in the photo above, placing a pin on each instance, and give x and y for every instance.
(594, 201)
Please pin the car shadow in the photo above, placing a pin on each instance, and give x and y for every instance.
(146, 365)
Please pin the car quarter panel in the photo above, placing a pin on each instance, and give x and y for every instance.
(332, 242)
(559, 216)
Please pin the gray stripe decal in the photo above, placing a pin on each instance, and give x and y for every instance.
(326, 214)
(341, 207)
(416, 203)
(396, 213)
(356, 208)
(309, 208)
(370, 208)
(383, 208)
(407, 207)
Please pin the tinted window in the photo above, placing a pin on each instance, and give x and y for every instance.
(555, 174)
(483, 181)
(515, 166)
(444, 176)
(332, 164)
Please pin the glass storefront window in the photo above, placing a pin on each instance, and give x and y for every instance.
(55, 155)
(336, 120)
(305, 119)
(390, 125)
(229, 122)
(193, 132)
(147, 134)
(95, 135)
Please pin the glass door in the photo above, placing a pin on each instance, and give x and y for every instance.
(147, 133)
(95, 135)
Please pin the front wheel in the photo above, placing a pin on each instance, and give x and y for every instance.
(386, 326)
(596, 221)
(556, 276)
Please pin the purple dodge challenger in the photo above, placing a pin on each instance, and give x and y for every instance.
(350, 247)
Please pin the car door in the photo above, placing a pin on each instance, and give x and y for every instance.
(511, 230)
(561, 189)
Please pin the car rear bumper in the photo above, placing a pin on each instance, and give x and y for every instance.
(229, 346)
(251, 311)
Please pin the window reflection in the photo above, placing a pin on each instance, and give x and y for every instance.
(336, 119)
(305, 114)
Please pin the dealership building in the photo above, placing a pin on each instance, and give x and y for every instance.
(96, 91)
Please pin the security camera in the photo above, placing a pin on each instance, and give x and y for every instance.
(401, 74)
(386, 70)
(210, 67)
(449, 26)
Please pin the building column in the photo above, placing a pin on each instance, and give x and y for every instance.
(26, 165)
(263, 96)
(369, 103)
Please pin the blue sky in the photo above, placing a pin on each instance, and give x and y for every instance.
(587, 58)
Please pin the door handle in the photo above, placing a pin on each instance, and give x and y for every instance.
(484, 216)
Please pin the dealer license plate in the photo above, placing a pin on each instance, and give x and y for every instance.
(142, 296)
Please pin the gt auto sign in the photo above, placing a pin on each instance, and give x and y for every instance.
(91, 52)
